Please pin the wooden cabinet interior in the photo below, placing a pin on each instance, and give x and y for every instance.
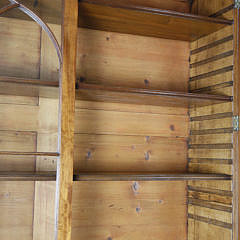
(154, 152)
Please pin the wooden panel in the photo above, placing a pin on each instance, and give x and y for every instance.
(64, 178)
(146, 21)
(16, 203)
(15, 58)
(124, 123)
(130, 108)
(11, 140)
(211, 143)
(120, 204)
(19, 100)
(201, 230)
(44, 206)
(109, 58)
(129, 153)
(208, 8)
(49, 68)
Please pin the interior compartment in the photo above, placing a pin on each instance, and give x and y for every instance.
(153, 142)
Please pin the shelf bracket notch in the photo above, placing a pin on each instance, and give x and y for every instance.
(235, 123)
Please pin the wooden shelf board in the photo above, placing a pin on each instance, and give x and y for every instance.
(101, 93)
(47, 154)
(114, 17)
(93, 92)
(111, 176)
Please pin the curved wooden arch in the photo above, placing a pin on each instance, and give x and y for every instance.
(38, 20)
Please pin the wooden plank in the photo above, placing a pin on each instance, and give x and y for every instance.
(135, 108)
(124, 123)
(14, 140)
(110, 204)
(15, 58)
(129, 153)
(64, 179)
(206, 8)
(201, 230)
(28, 87)
(16, 205)
(108, 58)
(102, 16)
(211, 38)
(18, 100)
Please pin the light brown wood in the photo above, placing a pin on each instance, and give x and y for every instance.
(211, 129)
(66, 128)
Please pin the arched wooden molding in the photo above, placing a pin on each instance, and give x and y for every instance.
(14, 4)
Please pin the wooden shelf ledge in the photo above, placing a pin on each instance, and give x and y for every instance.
(111, 176)
(116, 17)
(94, 92)
(47, 154)
(101, 93)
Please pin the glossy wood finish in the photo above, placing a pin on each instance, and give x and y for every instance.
(101, 93)
(110, 176)
(64, 179)
(146, 21)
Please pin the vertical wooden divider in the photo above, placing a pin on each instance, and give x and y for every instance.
(64, 180)
(236, 135)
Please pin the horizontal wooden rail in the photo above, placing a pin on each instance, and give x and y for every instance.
(47, 154)
(111, 176)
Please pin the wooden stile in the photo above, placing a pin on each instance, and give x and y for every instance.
(64, 178)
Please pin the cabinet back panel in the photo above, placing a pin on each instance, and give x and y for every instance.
(109, 136)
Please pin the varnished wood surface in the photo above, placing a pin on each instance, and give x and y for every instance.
(146, 21)
(109, 176)
(64, 179)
